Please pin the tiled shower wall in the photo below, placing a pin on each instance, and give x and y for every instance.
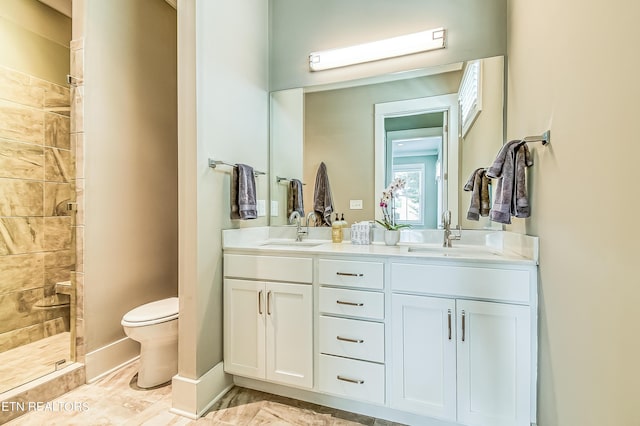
(37, 166)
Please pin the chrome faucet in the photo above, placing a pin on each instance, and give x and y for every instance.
(311, 218)
(448, 235)
(295, 216)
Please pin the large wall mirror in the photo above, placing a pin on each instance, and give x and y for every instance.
(369, 131)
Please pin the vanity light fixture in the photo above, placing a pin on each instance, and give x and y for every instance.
(376, 50)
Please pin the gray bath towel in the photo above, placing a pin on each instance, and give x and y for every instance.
(294, 200)
(485, 195)
(243, 193)
(322, 201)
(478, 183)
(495, 171)
(510, 167)
(520, 200)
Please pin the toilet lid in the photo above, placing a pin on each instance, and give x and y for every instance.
(161, 310)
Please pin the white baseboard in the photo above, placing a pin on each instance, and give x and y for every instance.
(192, 398)
(111, 357)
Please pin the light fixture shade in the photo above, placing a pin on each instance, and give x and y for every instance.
(376, 50)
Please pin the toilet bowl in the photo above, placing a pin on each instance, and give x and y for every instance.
(155, 326)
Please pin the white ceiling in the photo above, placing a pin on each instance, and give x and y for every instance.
(416, 146)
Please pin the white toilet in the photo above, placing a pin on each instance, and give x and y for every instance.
(155, 326)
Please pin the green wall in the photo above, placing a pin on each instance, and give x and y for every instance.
(475, 29)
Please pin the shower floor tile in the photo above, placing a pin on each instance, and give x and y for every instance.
(28, 362)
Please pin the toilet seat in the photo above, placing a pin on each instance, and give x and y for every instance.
(152, 313)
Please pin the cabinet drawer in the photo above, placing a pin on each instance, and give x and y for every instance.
(351, 273)
(352, 338)
(353, 379)
(354, 303)
(295, 269)
(461, 281)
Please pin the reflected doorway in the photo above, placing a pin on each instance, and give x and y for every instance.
(414, 152)
(413, 141)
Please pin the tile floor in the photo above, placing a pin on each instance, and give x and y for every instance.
(116, 400)
(28, 362)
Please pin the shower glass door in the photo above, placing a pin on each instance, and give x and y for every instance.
(37, 258)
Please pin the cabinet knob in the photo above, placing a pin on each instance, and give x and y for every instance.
(449, 322)
(260, 302)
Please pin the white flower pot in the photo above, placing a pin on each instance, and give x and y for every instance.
(391, 238)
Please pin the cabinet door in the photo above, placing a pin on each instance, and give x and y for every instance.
(424, 355)
(289, 314)
(494, 364)
(244, 328)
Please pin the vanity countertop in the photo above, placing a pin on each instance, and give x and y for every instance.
(486, 247)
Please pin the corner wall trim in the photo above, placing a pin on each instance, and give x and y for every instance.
(193, 398)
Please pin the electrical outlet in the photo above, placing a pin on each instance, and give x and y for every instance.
(274, 208)
(355, 204)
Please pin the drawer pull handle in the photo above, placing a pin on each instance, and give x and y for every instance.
(449, 323)
(346, 379)
(260, 302)
(346, 339)
(340, 302)
(463, 324)
(349, 274)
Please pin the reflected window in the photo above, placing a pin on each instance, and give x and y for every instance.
(470, 95)
(410, 202)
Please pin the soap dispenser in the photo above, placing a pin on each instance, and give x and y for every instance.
(336, 230)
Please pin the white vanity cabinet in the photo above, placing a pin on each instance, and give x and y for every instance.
(268, 325)
(351, 334)
(427, 338)
(424, 355)
(494, 363)
(466, 361)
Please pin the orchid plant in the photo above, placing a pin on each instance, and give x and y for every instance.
(386, 204)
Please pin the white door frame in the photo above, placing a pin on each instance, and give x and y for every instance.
(450, 148)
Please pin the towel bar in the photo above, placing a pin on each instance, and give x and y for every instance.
(214, 163)
(545, 138)
(280, 179)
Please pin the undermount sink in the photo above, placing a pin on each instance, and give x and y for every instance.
(455, 251)
(291, 243)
